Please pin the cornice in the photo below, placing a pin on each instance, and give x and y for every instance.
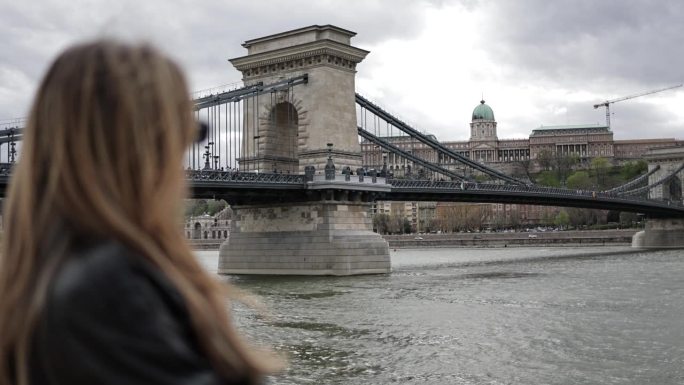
(334, 152)
(299, 31)
(293, 67)
(301, 51)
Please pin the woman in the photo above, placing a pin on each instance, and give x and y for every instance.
(97, 284)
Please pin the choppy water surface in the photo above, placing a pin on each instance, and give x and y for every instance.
(480, 316)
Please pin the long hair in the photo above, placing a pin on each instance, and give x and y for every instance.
(102, 156)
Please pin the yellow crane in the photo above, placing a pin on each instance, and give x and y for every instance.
(607, 103)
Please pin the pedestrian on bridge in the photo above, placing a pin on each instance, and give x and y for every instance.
(97, 282)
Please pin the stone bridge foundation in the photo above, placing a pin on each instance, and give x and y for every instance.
(661, 233)
(310, 238)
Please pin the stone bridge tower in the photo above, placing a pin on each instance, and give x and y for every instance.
(664, 232)
(290, 130)
(669, 159)
(326, 231)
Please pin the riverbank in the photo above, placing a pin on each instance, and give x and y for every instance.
(538, 239)
(545, 239)
(205, 244)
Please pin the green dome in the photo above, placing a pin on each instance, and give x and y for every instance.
(483, 112)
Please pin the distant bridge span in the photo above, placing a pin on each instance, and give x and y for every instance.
(446, 191)
(247, 188)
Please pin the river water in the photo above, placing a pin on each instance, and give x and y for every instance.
(606, 315)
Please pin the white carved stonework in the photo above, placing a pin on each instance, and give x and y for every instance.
(483, 146)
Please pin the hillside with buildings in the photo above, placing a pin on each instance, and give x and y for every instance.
(581, 156)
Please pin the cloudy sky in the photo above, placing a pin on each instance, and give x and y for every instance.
(537, 62)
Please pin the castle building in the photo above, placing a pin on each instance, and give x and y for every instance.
(584, 141)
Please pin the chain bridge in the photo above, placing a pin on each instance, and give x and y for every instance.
(284, 149)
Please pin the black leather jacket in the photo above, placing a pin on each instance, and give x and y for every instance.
(112, 318)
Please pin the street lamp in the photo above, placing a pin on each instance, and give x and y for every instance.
(207, 155)
(13, 152)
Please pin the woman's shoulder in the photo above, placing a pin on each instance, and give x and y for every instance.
(88, 265)
(107, 279)
(97, 270)
(111, 317)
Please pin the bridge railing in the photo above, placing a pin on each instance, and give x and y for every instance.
(12, 123)
(495, 187)
(243, 177)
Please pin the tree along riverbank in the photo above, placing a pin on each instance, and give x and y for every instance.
(542, 239)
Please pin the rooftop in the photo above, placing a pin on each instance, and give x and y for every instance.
(570, 126)
(571, 129)
(299, 36)
(483, 112)
(643, 141)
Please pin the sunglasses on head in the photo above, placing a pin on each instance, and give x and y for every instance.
(202, 130)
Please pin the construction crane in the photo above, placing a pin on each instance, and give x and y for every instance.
(607, 103)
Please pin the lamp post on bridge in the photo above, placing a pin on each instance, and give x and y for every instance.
(12, 147)
(207, 155)
(13, 152)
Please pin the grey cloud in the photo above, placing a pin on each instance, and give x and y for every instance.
(633, 120)
(629, 120)
(609, 48)
(201, 35)
(601, 43)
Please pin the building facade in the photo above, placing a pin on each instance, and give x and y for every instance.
(207, 227)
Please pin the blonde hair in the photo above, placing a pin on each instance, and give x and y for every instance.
(102, 156)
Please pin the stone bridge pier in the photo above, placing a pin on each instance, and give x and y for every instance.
(327, 230)
(328, 234)
(664, 232)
